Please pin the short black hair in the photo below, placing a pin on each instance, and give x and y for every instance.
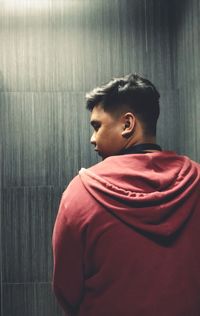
(137, 94)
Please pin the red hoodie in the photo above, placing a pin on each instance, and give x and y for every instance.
(126, 240)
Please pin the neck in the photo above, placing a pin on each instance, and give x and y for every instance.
(142, 140)
(141, 148)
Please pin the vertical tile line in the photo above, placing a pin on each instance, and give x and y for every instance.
(145, 20)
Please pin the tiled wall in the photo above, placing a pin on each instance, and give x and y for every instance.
(51, 53)
(186, 48)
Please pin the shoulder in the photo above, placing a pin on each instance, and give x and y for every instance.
(108, 165)
(76, 204)
(73, 192)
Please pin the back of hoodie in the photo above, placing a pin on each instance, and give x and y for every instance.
(126, 238)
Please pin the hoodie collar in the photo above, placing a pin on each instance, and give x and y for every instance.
(140, 148)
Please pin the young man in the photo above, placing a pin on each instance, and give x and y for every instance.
(126, 237)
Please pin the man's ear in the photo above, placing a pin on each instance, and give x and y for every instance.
(129, 122)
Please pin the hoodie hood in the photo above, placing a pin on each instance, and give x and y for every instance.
(153, 192)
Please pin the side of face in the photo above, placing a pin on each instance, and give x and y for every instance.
(109, 132)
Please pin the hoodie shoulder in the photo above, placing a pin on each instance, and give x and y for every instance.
(76, 204)
(155, 192)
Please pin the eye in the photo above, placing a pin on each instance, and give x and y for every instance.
(96, 127)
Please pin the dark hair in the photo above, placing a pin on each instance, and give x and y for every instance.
(137, 94)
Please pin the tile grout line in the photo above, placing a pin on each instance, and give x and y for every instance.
(25, 283)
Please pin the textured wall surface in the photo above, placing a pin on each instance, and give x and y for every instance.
(51, 53)
(186, 50)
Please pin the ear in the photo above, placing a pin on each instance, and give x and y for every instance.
(129, 122)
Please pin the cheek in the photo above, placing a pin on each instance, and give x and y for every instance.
(111, 137)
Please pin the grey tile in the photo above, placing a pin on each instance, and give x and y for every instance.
(28, 216)
(46, 138)
(46, 303)
(189, 109)
(64, 46)
(30, 299)
(186, 51)
(168, 123)
(158, 43)
(186, 43)
(18, 299)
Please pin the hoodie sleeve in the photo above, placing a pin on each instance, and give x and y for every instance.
(67, 255)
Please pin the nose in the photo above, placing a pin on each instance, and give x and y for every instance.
(92, 139)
